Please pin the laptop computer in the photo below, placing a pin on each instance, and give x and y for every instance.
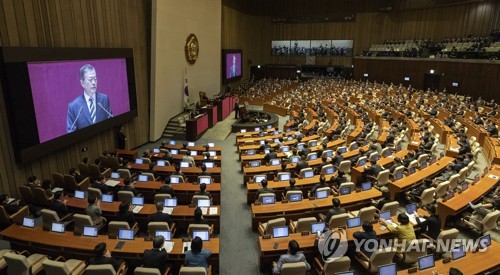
(308, 174)
(259, 178)
(175, 179)
(411, 171)
(294, 159)
(321, 194)
(450, 195)
(411, 208)
(205, 180)
(484, 241)
(115, 175)
(290, 138)
(386, 215)
(300, 146)
(156, 150)
(213, 153)
(167, 235)
(126, 234)
(388, 153)
(211, 145)
(184, 164)
(79, 194)
(353, 222)
(29, 222)
(458, 252)
(139, 161)
(194, 153)
(284, 176)
(354, 146)
(107, 198)
(361, 162)
(285, 149)
(345, 190)
(280, 232)
(174, 151)
(160, 163)
(191, 144)
(328, 153)
(329, 170)
(376, 157)
(276, 140)
(209, 164)
(426, 262)
(250, 152)
(465, 185)
(255, 163)
(295, 197)
(57, 227)
(313, 143)
(172, 142)
(203, 203)
(138, 201)
(142, 178)
(318, 227)
(366, 186)
(268, 199)
(275, 162)
(204, 235)
(398, 176)
(170, 202)
(389, 269)
(423, 164)
(313, 156)
(90, 231)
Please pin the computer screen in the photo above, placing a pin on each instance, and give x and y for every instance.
(255, 163)
(308, 174)
(450, 195)
(386, 215)
(354, 146)
(90, 231)
(243, 130)
(250, 152)
(458, 252)
(318, 227)
(465, 185)
(280, 232)
(190, 144)
(275, 162)
(205, 180)
(426, 262)
(344, 273)
(142, 178)
(175, 179)
(411, 171)
(361, 162)
(295, 197)
(285, 149)
(398, 175)
(300, 146)
(174, 151)
(345, 190)
(269, 126)
(139, 161)
(485, 241)
(204, 235)
(288, 130)
(211, 145)
(184, 164)
(268, 200)
(389, 269)
(172, 142)
(156, 150)
(203, 203)
(353, 222)
(313, 156)
(411, 208)
(366, 186)
(432, 159)
(126, 234)
(388, 152)
(213, 153)
(328, 153)
(194, 153)
(160, 163)
(107, 198)
(321, 194)
(209, 164)
(276, 140)
(29, 222)
(57, 227)
(329, 170)
(398, 148)
(313, 143)
(115, 175)
(167, 235)
(138, 201)
(79, 194)
(259, 178)
(376, 157)
(294, 159)
(423, 164)
(170, 202)
(256, 129)
(290, 138)
(284, 176)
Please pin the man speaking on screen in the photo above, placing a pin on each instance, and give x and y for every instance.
(89, 108)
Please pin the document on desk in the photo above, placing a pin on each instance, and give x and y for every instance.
(186, 246)
(168, 246)
(204, 210)
(493, 177)
(137, 209)
(112, 183)
(415, 142)
(391, 223)
(168, 210)
(455, 149)
(57, 189)
(413, 220)
(213, 211)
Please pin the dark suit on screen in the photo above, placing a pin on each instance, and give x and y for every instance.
(84, 119)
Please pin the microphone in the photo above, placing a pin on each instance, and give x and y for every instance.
(102, 107)
(74, 122)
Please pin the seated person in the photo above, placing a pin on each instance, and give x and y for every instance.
(397, 162)
(354, 160)
(98, 162)
(271, 155)
(33, 182)
(404, 231)
(198, 217)
(374, 169)
(337, 159)
(100, 184)
(335, 210)
(263, 190)
(431, 226)
(10, 208)
(204, 171)
(125, 215)
(446, 174)
(338, 180)
(202, 191)
(291, 186)
(322, 183)
(188, 158)
(159, 216)
(128, 186)
(364, 237)
(75, 172)
(94, 210)
(166, 188)
(386, 197)
(47, 187)
(103, 256)
(301, 164)
(156, 257)
(197, 256)
(292, 256)
(178, 172)
(59, 205)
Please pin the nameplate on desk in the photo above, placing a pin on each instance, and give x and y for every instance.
(493, 177)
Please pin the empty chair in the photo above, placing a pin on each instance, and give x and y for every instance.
(50, 216)
(124, 173)
(58, 180)
(391, 206)
(267, 228)
(441, 189)
(58, 267)
(365, 214)
(488, 223)
(17, 218)
(337, 221)
(191, 270)
(160, 226)
(19, 264)
(299, 268)
(106, 269)
(427, 196)
(125, 196)
(292, 192)
(199, 227)
(413, 251)
(453, 182)
(345, 166)
(463, 174)
(383, 178)
(81, 221)
(41, 197)
(302, 224)
(379, 257)
(332, 266)
(115, 226)
(94, 192)
(162, 197)
(445, 237)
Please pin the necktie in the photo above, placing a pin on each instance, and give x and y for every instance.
(92, 110)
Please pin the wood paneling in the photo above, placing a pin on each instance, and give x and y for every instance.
(75, 23)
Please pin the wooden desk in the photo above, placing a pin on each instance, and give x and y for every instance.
(183, 191)
(387, 161)
(81, 247)
(128, 154)
(413, 179)
(202, 148)
(191, 172)
(279, 187)
(492, 150)
(461, 201)
(452, 147)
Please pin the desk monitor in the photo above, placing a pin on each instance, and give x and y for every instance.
(313, 144)
(213, 153)
(398, 148)
(138, 201)
(204, 235)
(353, 147)
(259, 178)
(170, 202)
(476, 178)
(209, 164)
(361, 162)
(167, 235)
(107, 198)
(280, 232)
(411, 171)
(388, 152)
(266, 151)
(485, 241)
(191, 144)
(294, 159)
(426, 262)
(329, 170)
(256, 129)
(285, 149)
(160, 163)
(90, 231)
(142, 178)
(184, 164)
(29, 222)
(313, 156)
(194, 153)
(115, 175)
(366, 186)
(58, 227)
(251, 152)
(328, 153)
(308, 174)
(354, 222)
(268, 199)
(411, 208)
(205, 180)
(432, 159)
(175, 179)
(269, 126)
(203, 203)
(321, 194)
(318, 227)
(284, 176)
(172, 142)
(398, 175)
(346, 190)
(79, 194)
(126, 234)
(139, 161)
(300, 146)
(276, 132)
(423, 164)
(261, 134)
(275, 162)
(156, 150)
(485, 171)
(458, 252)
(255, 163)
(288, 130)
(243, 130)
(276, 140)
(290, 138)
(174, 151)
(389, 269)
(376, 157)
(450, 195)
(386, 215)
(295, 197)
(335, 137)
(441, 155)
(344, 273)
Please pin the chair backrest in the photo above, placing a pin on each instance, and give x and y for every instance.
(292, 192)
(16, 264)
(348, 184)
(441, 189)
(339, 265)
(26, 194)
(304, 224)
(199, 197)
(115, 226)
(427, 196)
(157, 226)
(261, 196)
(453, 182)
(413, 164)
(383, 177)
(304, 170)
(271, 224)
(422, 158)
(95, 192)
(146, 160)
(490, 221)
(345, 166)
(299, 268)
(146, 271)
(463, 174)
(381, 257)
(162, 197)
(55, 267)
(414, 250)
(40, 196)
(58, 180)
(323, 169)
(81, 221)
(124, 173)
(125, 196)
(49, 216)
(70, 184)
(367, 213)
(391, 206)
(102, 269)
(191, 270)
(150, 176)
(84, 169)
(399, 169)
(94, 170)
(373, 156)
(337, 221)
(197, 227)
(445, 235)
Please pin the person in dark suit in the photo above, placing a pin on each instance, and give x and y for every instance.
(121, 138)
(271, 155)
(301, 164)
(204, 171)
(202, 191)
(374, 169)
(58, 205)
(12, 207)
(125, 215)
(100, 184)
(335, 210)
(103, 256)
(156, 257)
(386, 197)
(431, 226)
(291, 186)
(166, 188)
(236, 108)
(363, 237)
(89, 108)
(159, 216)
(128, 187)
(198, 217)
(322, 183)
